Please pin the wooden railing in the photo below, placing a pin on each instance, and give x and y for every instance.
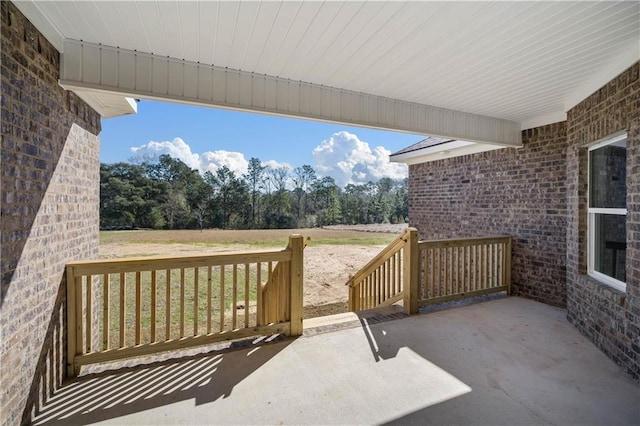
(421, 273)
(457, 268)
(380, 282)
(130, 307)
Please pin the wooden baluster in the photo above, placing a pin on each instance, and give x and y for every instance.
(492, 262)
(89, 314)
(259, 310)
(392, 274)
(485, 264)
(378, 286)
(167, 304)
(285, 293)
(372, 291)
(222, 307)
(246, 295)
(456, 270)
(387, 269)
(182, 297)
(154, 301)
(399, 272)
(366, 293)
(106, 301)
(272, 294)
(507, 265)
(123, 306)
(472, 266)
(138, 308)
(234, 301)
(438, 270)
(196, 294)
(445, 270)
(483, 253)
(209, 284)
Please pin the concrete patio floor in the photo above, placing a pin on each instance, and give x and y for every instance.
(507, 361)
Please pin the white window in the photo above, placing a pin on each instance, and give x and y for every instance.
(607, 245)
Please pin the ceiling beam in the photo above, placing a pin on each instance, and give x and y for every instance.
(131, 73)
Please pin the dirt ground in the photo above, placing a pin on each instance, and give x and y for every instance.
(327, 266)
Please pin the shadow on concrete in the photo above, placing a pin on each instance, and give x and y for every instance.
(203, 378)
(508, 361)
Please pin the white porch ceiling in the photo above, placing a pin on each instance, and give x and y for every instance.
(527, 62)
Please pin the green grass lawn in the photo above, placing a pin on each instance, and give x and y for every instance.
(258, 238)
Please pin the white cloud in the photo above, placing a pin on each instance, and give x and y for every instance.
(343, 156)
(349, 160)
(207, 161)
(273, 164)
(177, 148)
(213, 160)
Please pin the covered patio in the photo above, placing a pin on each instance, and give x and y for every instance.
(504, 361)
(526, 90)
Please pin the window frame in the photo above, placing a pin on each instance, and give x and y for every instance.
(591, 217)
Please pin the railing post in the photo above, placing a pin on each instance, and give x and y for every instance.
(410, 257)
(296, 244)
(71, 323)
(352, 295)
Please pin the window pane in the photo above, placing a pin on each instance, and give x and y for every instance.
(608, 175)
(610, 245)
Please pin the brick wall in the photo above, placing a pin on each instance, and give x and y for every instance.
(610, 318)
(49, 195)
(518, 192)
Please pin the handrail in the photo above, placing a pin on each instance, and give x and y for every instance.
(380, 258)
(462, 241)
(133, 264)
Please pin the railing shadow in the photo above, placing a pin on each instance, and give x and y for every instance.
(50, 370)
(382, 347)
(203, 378)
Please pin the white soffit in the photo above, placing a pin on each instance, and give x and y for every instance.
(526, 61)
(108, 104)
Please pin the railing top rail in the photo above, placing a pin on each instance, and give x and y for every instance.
(464, 241)
(135, 264)
(392, 247)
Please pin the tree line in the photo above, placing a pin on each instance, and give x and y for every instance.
(168, 194)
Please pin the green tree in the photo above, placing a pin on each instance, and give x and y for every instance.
(303, 178)
(128, 198)
(254, 179)
(230, 195)
(326, 196)
(186, 190)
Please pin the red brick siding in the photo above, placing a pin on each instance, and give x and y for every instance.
(49, 198)
(518, 192)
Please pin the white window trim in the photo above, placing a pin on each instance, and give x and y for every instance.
(592, 211)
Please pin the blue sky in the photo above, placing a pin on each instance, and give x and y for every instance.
(209, 138)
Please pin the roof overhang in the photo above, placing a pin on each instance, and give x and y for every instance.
(93, 68)
(450, 149)
(481, 68)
